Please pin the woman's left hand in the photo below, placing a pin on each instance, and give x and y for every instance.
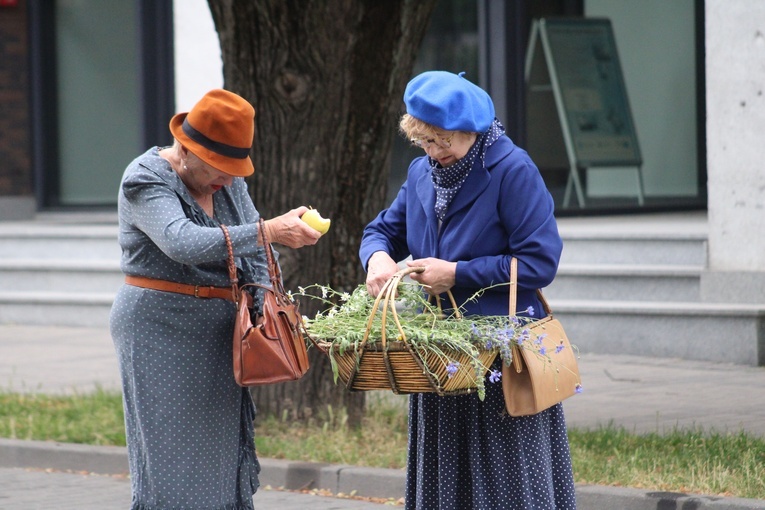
(438, 276)
(289, 230)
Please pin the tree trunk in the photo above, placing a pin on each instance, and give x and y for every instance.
(326, 79)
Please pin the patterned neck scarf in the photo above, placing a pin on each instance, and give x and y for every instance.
(448, 181)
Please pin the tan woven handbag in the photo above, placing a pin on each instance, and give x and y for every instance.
(534, 381)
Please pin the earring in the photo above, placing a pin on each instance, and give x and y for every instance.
(185, 168)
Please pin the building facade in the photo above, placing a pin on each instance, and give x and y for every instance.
(86, 85)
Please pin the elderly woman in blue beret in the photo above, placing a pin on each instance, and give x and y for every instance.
(470, 204)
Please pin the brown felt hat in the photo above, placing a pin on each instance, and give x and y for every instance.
(219, 130)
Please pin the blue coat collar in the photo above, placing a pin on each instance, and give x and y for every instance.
(477, 181)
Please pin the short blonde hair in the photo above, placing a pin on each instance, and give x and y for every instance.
(412, 127)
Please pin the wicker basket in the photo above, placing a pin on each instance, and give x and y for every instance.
(396, 365)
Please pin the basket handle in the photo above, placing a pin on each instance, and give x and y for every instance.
(456, 308)
(387, 290)
(387, 296)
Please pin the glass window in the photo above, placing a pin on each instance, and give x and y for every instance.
(450, 44)
(99, 124)
(656, 44)
(656, 41)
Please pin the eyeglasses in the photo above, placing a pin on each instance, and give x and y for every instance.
(425, 143)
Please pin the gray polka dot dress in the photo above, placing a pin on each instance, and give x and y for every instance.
(189, 425)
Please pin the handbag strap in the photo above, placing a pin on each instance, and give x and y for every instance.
(513, 283)
(517, 360)
(514, 290)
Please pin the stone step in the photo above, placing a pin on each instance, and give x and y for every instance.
(694, 331)
(60, 275)
(634, 249)
(620, 282)
(56, 308)
(46, 241)
(726, 333)
(661, 239)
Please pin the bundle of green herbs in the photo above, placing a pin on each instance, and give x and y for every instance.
(348, 319)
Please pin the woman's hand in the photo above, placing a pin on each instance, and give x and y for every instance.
(379, 270)
(438, 277)
(289, 230)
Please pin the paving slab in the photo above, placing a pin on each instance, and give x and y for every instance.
(36, 489)
(645, 395)
(57, 360)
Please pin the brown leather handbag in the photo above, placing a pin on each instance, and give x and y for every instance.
(537, 381)
(271, 349)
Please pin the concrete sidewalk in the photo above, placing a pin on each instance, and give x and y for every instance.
(640, 394)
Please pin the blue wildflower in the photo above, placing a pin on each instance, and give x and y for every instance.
(579, 388)
(543, 350)
(559, 348)
(525, 335)
(530, 311)
(495, 376)
(452, 368)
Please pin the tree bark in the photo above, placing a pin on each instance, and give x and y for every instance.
(326, 79)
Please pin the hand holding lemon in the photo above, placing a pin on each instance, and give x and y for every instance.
(315, 221)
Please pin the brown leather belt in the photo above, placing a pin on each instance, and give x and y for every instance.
(181, 288)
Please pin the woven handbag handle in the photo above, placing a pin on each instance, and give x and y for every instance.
(277, 287)
(231, 266)
(274, 272)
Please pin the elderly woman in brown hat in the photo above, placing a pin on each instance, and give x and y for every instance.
(189, 426)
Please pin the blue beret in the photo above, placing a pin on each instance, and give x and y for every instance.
(449, 101)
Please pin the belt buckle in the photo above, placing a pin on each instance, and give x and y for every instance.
(196, 291)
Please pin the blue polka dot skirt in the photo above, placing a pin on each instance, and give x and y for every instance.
(467, 454)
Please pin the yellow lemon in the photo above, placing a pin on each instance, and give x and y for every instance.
(315, 221)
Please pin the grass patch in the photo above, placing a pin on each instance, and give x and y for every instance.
(93, 418)
(379, 442)
(690, 461)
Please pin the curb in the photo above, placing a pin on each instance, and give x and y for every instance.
(105, 460)
(289, 474)
(338, 478)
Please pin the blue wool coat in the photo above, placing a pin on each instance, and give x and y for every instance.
(502, 210)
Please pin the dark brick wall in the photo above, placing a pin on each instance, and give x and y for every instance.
(15, 146)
